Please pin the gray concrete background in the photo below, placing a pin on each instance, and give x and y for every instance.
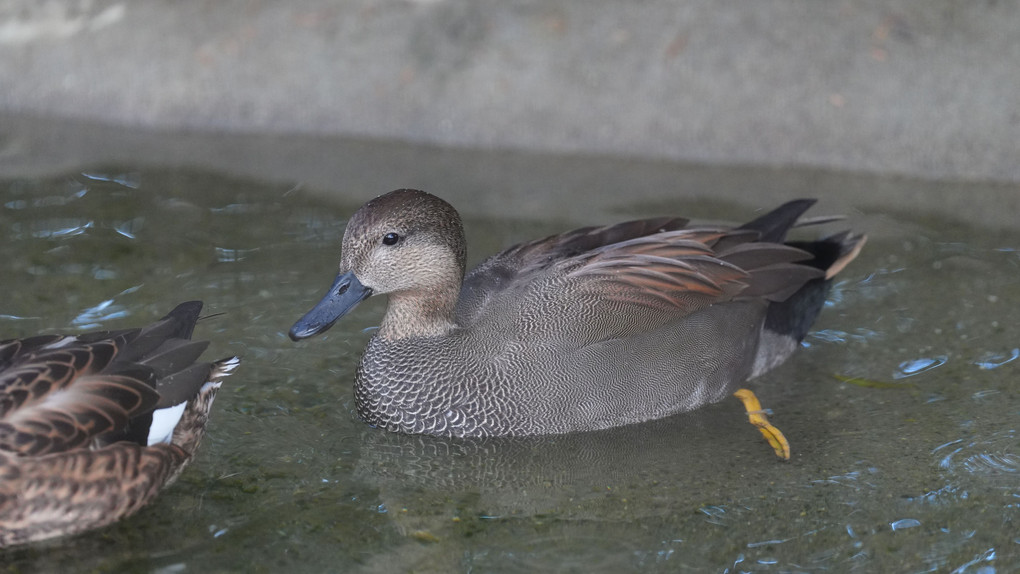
(926, 88)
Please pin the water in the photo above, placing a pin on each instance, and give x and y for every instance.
(902, 407)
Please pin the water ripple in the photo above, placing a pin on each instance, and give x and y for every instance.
(93, 317)
(6, 317)
(904, 523)
(992, 463)
(995, 360)
(859, 335)
(51, 228)
(131, 180)
(990, 460)
(853, 479)
(986, 556)
(948, 494)
(918, 366)
(768, 542)
(228, 255)
(46, 201)
(236, 209)
(130, 228)
(716, 514)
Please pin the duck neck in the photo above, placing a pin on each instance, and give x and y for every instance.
(421, 314)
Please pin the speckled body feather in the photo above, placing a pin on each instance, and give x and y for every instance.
(586, 330)
(74, 416)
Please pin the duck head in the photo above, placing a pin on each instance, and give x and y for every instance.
(408, 244)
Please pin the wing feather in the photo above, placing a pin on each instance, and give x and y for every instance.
(59, 393)
(633, 276)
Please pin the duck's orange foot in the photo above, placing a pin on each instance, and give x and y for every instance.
(757, 417)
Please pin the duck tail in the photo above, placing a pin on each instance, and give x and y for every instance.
(190, 429)
(774, 225)
(788, 321)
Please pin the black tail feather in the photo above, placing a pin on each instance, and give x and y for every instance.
(774, 225)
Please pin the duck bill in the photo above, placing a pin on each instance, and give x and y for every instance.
(343, 296)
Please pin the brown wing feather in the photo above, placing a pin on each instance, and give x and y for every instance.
(650, 281)
(513, 266)
(59, 392)
(681, 271)
(69, 417)
(34, 371)
(680, 277)
(645, 272)
(12, 350)
(54, 399)
(542, 252)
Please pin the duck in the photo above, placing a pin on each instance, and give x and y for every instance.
(585, 330)
(94, 426)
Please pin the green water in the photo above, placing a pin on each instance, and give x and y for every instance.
(914, 467)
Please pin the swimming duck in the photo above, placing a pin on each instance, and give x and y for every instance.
(590, 329)
(93, 426)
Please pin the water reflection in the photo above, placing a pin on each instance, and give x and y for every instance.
(51, 229)
(995, 458)
(130, 228)
(992, 360)
(918, 366)
(94, 317)
(131, 180)
(860, 335)
(226, 255)
(904, 523)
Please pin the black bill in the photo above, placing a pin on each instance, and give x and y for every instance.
(344, 295)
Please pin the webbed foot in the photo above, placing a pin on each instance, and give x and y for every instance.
(757, 417)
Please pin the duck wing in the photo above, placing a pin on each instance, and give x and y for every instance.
(520, 263)
(59, 393)
(618, 288)
(62, 394)
(642, 284)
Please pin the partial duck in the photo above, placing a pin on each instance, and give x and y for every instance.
(593, 328)
(93, 426)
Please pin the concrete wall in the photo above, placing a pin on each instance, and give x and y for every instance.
(927, 88)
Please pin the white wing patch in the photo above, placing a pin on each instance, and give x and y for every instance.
(164, 421)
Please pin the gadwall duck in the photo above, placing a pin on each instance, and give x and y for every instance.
(594, 328)
(93, 426)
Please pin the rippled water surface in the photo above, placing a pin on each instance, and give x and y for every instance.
(902, 407)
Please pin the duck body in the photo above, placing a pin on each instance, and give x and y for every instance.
(94, 426)
(591, 329)
(467, 385)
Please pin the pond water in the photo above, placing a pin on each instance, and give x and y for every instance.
(902, 406)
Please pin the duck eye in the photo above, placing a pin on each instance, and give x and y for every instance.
(390, 239)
